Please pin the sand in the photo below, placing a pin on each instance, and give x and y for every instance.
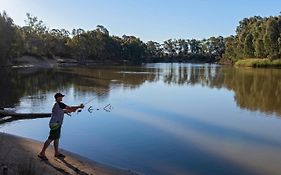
(20, 154)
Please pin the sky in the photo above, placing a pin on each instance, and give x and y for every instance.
(156, 20)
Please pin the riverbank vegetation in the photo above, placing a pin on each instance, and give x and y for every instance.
(258, 63)
(256, 37)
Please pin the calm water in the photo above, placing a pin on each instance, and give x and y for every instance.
(166, 118)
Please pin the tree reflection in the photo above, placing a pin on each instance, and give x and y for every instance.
(18, 83)
(255, 89)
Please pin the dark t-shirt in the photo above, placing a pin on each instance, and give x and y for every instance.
(62, 105)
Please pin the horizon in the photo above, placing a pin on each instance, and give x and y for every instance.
(188, 19)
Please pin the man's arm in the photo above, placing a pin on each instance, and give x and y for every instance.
(69, 109)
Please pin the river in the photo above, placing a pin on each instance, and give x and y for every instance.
(159, 118)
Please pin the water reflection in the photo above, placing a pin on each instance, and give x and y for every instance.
(173, 119)
(255, 89)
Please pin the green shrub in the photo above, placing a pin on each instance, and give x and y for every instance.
(258, 63)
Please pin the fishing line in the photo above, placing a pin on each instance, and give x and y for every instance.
(96, 96)
(107, 108)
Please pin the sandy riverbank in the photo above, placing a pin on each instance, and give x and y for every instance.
(45, 62)
(18, 154)
(41, 62)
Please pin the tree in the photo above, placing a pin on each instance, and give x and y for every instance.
(133, 49)
(195, 46)
(169, 48)
(56, 42)
(79, 44)
(248, 46)
(258, 35)
(183, 47)
(153, 49)
(230, 48)
(102, 29)
(7, 37)
(34, 35)
(271, 38)
(215, 46)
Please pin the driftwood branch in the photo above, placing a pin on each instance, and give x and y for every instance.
(15, 115)
(9, 116)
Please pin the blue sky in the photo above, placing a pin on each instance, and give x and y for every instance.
(156, 20)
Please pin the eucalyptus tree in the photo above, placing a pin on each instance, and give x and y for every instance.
(154, 49)
(258, 34)
(133, 49)
(56, 41)
(249, 49)
(34, 35)
(271, 37)
(230, 52)
(195, 46)
(78, 44)
(169, 48)
(7, 36)
(183, 47)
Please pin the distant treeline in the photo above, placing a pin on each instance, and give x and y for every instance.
(256, 37)
(36, 39)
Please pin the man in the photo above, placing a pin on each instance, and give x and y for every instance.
(55, 124)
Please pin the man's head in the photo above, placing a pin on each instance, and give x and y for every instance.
(58, 96)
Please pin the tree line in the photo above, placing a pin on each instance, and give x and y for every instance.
(35, 39)
(256, 37)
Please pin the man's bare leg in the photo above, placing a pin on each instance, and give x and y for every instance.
(56, 145)
(46, 144)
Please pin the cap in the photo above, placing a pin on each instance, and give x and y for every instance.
(58, 95)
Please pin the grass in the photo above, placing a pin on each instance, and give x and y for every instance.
(254, 62)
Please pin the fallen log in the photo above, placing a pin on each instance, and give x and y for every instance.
(7, 116)
(6, 113)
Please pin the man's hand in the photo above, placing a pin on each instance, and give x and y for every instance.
(81, 106)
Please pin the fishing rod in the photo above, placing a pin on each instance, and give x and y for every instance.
(107, 108)
(96, 96)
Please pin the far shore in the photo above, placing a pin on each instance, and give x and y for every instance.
(45, 62)
(18, 155)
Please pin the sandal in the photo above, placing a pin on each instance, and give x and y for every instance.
(42, 157)
(60, 155)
